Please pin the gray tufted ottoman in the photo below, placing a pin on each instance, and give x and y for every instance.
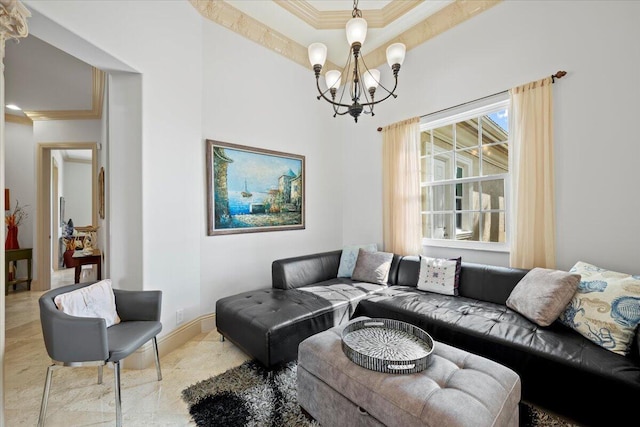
(457, 389)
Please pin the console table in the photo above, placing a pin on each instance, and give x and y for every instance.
(77, 259)
(11, 255)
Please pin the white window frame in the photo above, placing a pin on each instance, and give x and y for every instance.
(459, 114)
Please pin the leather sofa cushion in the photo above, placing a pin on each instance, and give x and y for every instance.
(290, 273)
(478, 281)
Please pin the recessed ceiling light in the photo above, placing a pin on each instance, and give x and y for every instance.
(13, 107)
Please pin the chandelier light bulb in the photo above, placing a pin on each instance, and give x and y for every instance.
(356, 31)
(332, 78)
(371, 79)
(395, 54)
(317, 54)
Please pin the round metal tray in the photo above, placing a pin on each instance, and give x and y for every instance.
(387, 345)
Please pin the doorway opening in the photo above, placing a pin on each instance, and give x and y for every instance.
(67, 186)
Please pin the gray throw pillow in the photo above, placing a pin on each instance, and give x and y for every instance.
(372, 267)
(542, 294)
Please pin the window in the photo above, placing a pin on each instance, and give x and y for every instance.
(464, 162)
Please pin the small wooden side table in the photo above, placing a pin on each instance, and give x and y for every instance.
(77, 259)
(11, 255)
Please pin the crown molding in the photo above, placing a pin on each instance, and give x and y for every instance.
(337, 19)
(446, 18)
(229, 17)
(441, 21)
(97, 100)
(21, 120)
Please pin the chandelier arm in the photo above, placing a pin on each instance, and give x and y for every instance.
(386, 97)
(395, 75)
(322, 94)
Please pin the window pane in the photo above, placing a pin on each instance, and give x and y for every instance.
(443, 137)
(467, 228)
(495, 159)
(425, 169)
(443, 226)
(442, 166)
(425, 143)
(468, 161)
(495, 127)
(443, 198)
(426, 225)
(425, 197)
(469, 197)
(467, 134)
(493, 195)
(493, 227)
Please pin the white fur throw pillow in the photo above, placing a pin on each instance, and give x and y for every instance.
(96, 300)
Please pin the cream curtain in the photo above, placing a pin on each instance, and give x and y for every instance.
(533, 243)
(402, 232)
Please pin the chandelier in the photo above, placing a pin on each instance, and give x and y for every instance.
(363, 82)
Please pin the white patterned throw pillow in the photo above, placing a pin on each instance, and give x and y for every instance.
(438, 275)
(605, 308)
(96, 300)
(349, 257)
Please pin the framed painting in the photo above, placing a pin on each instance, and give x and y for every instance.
(253, 190)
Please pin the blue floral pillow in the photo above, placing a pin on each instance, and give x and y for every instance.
(349, 257)
(605, 308)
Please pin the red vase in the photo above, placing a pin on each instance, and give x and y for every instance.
(12, 238)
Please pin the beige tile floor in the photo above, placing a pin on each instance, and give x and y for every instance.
(77, 399)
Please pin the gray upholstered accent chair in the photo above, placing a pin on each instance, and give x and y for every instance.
(85, 341)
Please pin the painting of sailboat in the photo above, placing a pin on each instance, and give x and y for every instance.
(251, 189)
(246, 192)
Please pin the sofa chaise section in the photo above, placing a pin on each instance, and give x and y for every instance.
(306, 298)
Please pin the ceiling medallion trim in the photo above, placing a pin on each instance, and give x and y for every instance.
(229, 17)
(336, 19)
(441, 21)
(97, 99)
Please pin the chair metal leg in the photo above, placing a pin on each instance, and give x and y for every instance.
(155, 348)
(45, 396)
(116, 371)
(221, 338)
(100, 374)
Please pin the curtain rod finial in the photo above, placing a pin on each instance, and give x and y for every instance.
(560, 74)
(379, 129)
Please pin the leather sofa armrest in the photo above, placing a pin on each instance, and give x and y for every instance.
(290, 273)
(138, 305)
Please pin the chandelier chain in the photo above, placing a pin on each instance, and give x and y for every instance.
(357, 13)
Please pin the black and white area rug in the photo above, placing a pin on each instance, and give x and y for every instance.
(247, 396)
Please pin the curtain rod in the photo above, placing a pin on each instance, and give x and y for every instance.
(558, 75)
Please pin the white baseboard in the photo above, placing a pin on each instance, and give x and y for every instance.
(144, 357)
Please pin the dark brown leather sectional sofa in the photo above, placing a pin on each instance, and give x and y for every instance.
(561, 371)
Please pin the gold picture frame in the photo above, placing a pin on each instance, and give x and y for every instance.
(252, 190)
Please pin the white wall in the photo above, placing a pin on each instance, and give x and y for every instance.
(254, 97)
(20, 177)
(77, 192)
(596, 156)
(66, 131)
(163, 42)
